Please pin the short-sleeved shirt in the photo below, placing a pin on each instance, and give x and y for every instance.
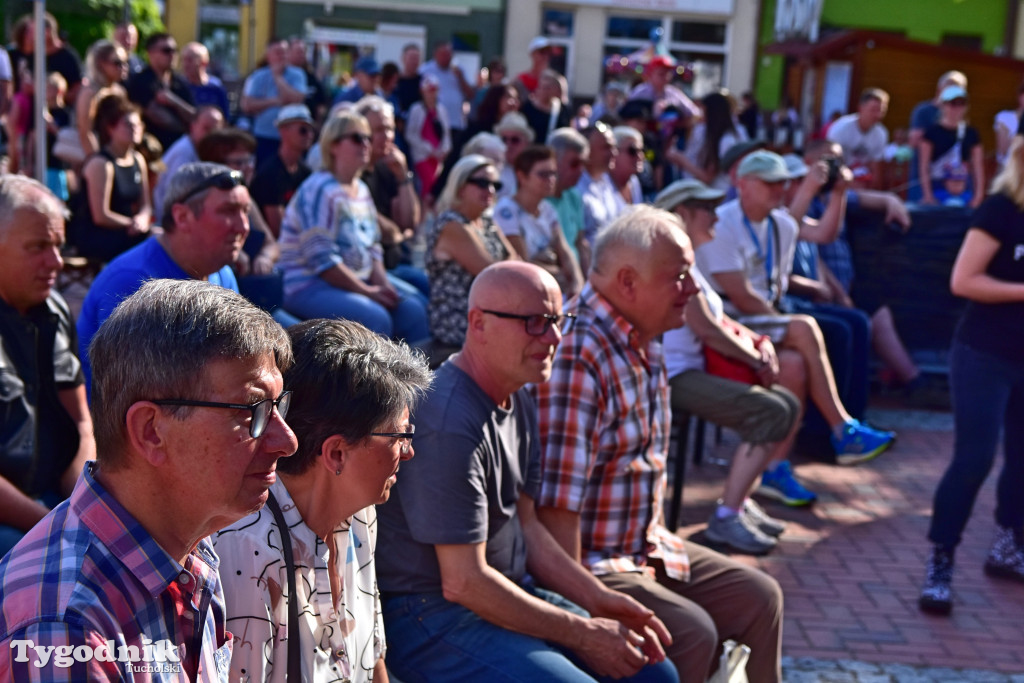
(735, 248)
(180, 153)
(600, 205)
(142, 89)
(261, 85)
(998, 328)
(474, 460)
(89, 574)
(324, 227)
(450, 282)
(943, 140)
(604, 422)
(569, 206)
(64, 60)
(342, 640)
(860, 147)
(121, 278)
(38, 439)
(274, 185)
(213, 93)
(536, 231)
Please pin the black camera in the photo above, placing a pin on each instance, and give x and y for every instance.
(835, 165)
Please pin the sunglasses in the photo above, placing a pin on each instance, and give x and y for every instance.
(260, 410)
(357, 138)
(169, 50)
(226, 180)
(958, 102)
(116, 62)
(404, 437)
(486, 183)
(512, 140)
(537, 324)
(634, 151)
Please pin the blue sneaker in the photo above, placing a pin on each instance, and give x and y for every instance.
(860, 443)
(780, 484)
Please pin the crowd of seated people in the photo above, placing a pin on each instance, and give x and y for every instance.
(386, 230)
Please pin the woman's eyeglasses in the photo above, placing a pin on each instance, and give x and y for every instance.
(357, 138)
(260, 410)
(486, 183)
(404, 437)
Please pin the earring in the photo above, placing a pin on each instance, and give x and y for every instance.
(337, 473)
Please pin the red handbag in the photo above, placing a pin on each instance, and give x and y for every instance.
(731, 368)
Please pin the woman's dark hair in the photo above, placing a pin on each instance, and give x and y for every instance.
(717, 122)
(349, 381)
(110, 109)
(530, 156)
(218, 145)
(487, 113)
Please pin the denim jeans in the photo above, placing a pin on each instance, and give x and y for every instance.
(408, 321)
(988, 394)
(432, 640)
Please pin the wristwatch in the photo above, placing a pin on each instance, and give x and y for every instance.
(408, 178)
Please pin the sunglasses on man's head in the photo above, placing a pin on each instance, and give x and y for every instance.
(225, 180)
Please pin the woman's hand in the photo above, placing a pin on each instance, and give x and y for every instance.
(386, 295)
(139, 225)
(263, 264)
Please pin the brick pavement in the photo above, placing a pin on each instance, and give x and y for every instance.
(851, 565)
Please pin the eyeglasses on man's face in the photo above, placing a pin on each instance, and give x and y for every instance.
(260, 410)
(404, 438)
(537, 324)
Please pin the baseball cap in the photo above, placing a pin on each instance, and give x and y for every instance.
(952, 92)
(367, 65)
(539, 43)
(661, 60)
(768, 166)
(795, 165)
(738, 151)
(293, 112)
(687, 190)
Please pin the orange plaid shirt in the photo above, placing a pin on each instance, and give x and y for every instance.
(604, 428)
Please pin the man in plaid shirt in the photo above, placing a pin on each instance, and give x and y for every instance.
(604, 426)
(120, 581)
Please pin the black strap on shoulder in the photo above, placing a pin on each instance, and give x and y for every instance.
(294, 656)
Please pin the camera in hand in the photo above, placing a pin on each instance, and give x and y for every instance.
(835, 164)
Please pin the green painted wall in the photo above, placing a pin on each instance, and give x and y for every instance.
(923, 20)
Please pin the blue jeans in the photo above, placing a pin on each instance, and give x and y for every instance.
(417, 277)
(847, 333)
(432, 640)
(407, 321)
(988, 395)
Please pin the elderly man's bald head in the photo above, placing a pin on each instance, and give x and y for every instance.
(510, 282)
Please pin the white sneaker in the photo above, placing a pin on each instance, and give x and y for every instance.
(736, 533)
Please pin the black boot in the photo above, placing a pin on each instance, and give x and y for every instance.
(936, 593)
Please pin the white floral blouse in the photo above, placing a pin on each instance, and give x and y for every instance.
(340, 642)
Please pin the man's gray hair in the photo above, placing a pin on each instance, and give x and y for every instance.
(375, 104)
(635, 230)
(158, 343)
(21, 192)
(185, 179)
(348, 381)
(564, 140)
(486, 144)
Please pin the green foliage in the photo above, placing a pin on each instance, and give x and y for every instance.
(86, 21)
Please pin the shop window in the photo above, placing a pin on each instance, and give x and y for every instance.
(557, 23)
(637, 28)
(701, 32)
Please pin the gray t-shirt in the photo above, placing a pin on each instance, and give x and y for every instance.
(473, 461)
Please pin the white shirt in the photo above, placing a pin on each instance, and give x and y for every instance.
(338, 641)
(536, 231)
(600, 205)
(860, 148)
(734, 249)
(683, 349)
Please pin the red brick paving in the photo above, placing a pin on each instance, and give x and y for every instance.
(851, 565)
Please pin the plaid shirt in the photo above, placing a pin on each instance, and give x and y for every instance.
(89, 574)
(604, 429)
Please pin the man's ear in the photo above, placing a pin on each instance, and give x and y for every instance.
(475, 322)
(335, 453)
(146, 426)
(182, 215)
(626, 278)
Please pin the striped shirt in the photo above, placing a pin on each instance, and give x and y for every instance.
(90, 578)
(604, 428)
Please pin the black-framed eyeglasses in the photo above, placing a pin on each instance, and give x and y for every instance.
(260, 410)
(486, 183)
(357, 138)
(225, 180)
(404, 437)
(537, 324)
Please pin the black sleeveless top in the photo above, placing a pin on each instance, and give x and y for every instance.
(102, 243)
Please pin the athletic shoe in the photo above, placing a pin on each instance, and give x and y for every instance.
(937, 594)
(734, 532)
(860, 443)
(759, 519)
(1006, 557)
(781, 485)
